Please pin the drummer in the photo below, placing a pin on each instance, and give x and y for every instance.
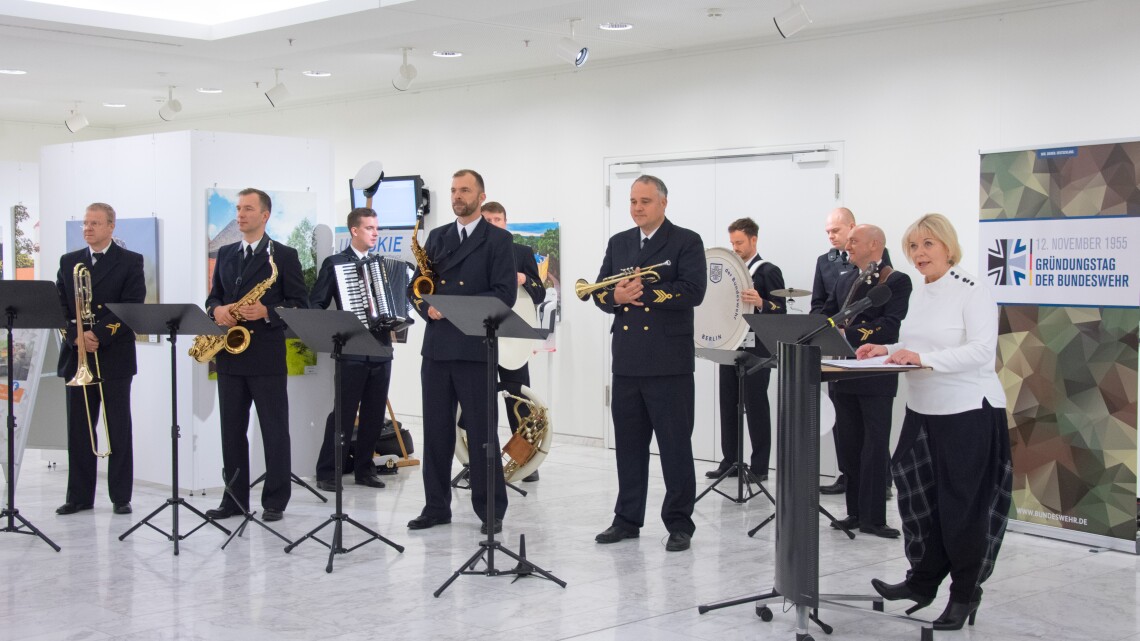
(766, 278)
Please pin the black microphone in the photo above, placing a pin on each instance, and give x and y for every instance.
(878, 295)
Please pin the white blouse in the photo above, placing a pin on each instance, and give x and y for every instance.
(952, 324)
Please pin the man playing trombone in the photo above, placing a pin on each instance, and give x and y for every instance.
(98, 350)
(653, 351)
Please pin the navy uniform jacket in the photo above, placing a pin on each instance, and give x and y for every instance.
(526, 264)
(483, 265)
(117, 278)
(325, 291)
(767, 278)
(828, 268)
(265, 355)
(656, 339)
(875, 326)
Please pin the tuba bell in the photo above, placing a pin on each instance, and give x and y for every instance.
(84, 376)
(528, 447)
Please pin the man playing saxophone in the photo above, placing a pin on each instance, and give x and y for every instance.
(115, 276)
(258, 374)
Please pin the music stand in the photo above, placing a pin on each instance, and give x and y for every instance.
(27, 305)
(338, 332)
(249, 516)
(488, 316)
(797, 536)
(745, 363)
(172, 320)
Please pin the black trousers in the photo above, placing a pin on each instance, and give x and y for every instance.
(82, 463)
(759, 417)
(839, 463)
(268, 393)
(954, 477)
(363, 385)
(863, 431)
(446, 386)
(512, 380)
(643, 407)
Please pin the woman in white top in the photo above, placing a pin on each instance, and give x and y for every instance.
(952, 465)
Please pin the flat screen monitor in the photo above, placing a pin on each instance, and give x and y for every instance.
(397, 201)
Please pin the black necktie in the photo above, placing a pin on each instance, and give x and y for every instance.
(95, 256)
(462, 235)
(248, 256)
(843, 256)
(643, 241)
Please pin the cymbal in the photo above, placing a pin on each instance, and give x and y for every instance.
(790, 292)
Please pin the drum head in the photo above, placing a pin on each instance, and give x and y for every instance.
(718, 322)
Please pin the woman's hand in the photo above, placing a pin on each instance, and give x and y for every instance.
(870, 351)
(904, 357)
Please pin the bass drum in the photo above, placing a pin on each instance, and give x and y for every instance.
(515, 352)
(718, 322)
(525, 450)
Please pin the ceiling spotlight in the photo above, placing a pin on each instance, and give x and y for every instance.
(569, 50)
(317, 74)
(210, 90)
(615, 26)
(115, 105)
(13, 72)
(75, 121)
(447, 54)
(792, 20)
(278, 94)
(407, 74)
(169, 109)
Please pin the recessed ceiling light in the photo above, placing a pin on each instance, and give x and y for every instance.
(316, 74)
(615, 26)
(209, 90)
(13, 72)
(114, 105)
(447, 54)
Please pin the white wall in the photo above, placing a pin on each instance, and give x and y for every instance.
(913, 106)
(166, 176)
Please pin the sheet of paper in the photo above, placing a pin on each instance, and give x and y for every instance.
(867, 363)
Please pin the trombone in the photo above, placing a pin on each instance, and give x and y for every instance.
(583, 288)
(81, 277)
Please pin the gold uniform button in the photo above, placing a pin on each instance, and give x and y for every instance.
(461, 283)
(647, 309)
(625, 309)
(625, 327)
(646, 328)
(443, 282)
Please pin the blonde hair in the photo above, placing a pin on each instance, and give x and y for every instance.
(939, 228)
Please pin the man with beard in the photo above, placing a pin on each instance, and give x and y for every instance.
(469, 257)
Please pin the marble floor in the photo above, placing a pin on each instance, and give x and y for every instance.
(101, 588)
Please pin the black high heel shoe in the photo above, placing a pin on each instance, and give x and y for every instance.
(900, 591)
(956, 614)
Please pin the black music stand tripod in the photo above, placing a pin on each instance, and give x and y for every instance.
(746, 364)
(338, 332)
(172, 320)
(27, 305)
(490, 317)
(249, 516)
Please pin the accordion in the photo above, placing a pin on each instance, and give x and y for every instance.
(376, 290)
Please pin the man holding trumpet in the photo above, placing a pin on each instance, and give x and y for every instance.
(653, 351)
(102, 273)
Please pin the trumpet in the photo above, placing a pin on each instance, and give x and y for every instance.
(583, 288)
(84, 377)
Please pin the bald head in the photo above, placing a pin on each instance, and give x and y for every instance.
(839, 224)
(865, 245)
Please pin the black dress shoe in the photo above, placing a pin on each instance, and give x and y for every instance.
(847, 523)
(838, 487)
(883, 531)
(532, 477)
(326, 486)
(72, 508)
(272, 514)
(956, 614)
(122, 508)
(423, 522)
(678, 541)
(613, 534)
(715, 474)
(900, 591)
(498, 527)
(222, 512)
(370, 481)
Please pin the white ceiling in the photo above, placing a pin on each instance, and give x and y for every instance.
(91, 57)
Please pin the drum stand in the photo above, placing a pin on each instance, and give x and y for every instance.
(489, 312)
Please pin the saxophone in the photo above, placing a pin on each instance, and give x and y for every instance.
(424, 284)
(236, 339)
